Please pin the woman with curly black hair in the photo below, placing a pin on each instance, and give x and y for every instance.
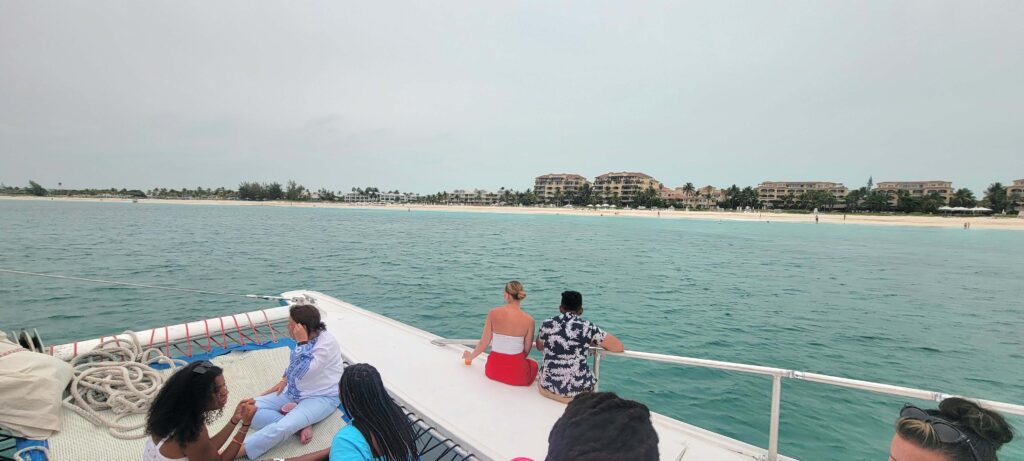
(960, 430)
(189, 400)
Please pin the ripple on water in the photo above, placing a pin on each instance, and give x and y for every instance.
(864, 302)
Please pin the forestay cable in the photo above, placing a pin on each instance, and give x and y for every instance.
(137, 285)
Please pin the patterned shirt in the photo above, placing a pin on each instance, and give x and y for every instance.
(566, 338)
(298, 365)
(314, 368)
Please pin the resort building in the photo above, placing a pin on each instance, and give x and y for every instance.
(558, 187)
(774, 193)
(404, 197)
(474, 197)
(672, 196)
(708, 197)
(918, 188)
(623, 187)
(703, 198)
(1018, 189)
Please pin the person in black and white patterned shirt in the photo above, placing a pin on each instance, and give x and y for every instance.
(564, 340)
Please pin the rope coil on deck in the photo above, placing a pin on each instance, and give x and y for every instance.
(117, 377)
(22, 455)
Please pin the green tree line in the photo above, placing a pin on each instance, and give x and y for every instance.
(864, 199)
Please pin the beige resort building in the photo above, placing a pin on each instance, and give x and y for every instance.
(1017, 188)
(624, 185)
(474, 197)
(548, 186)
(772, 193)
(917, 188)
(704, 198)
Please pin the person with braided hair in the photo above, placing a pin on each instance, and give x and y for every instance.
(601, 426)
(959, 430)
(379, 430)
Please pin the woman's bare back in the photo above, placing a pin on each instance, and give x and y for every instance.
(511, 321)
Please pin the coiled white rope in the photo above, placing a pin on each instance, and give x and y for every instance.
(22, 455)
(117, 376)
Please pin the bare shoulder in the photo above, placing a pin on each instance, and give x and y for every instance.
(495, 314)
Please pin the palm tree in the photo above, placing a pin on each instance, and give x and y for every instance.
(963, 197)
(996, 197)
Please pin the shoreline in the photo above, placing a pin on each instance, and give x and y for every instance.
(976, 222)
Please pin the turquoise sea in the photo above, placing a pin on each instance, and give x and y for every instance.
(940, 309)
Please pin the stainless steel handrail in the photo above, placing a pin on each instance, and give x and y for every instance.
(777, 374)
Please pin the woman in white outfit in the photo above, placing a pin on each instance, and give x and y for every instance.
(188, 400)
(508, 330)
(308, 391)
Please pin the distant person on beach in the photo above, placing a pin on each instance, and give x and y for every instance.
(959, 430)
(176, 423)
(308, 391)
(379, 429)
(508, 330)
(600, 426)
(564, 340)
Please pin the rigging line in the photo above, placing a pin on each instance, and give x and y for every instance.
(137, 285)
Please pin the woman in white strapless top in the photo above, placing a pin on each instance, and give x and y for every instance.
(152, 452)
(508, 330)
(176, 423)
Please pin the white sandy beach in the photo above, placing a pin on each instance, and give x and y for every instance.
(976, 222)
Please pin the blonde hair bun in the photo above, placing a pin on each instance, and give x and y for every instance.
(515, 290)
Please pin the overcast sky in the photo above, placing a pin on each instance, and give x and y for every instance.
(424, 96)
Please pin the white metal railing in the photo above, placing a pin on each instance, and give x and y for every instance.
(777, 374)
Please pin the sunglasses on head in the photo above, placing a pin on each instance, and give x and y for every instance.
(945, 431)
(202, 367)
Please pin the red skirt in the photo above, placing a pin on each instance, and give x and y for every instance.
(515, 370)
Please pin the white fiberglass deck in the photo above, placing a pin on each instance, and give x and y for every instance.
(492, 420)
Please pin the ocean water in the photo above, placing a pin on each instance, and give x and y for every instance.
(940, 309)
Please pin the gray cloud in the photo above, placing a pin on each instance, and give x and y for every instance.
(424, 97)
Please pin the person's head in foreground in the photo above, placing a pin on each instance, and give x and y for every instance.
(381, 422)
(189, 400)
(959, 430)
(600, 426)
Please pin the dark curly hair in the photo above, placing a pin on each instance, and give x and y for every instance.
(182, 408)
(987, 430)
(600, 426)
(375, 414)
